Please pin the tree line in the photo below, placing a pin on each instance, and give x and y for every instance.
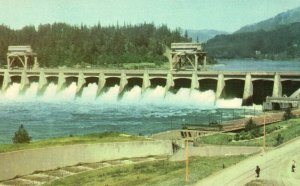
(60, 44)
(282, 43)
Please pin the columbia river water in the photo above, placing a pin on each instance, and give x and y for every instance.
(62, 114)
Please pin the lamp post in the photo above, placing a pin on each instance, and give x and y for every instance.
(187, 161)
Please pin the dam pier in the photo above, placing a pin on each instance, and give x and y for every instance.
(252, 87)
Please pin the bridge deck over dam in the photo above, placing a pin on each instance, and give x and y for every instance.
(246, 85)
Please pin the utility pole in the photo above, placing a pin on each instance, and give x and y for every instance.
(264, 138)
(187, 160)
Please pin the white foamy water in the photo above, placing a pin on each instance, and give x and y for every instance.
(89, 93)
(50, 92)
(12, 92)
(229, 103)
(68, 93)
(31, 92)
(157, 96)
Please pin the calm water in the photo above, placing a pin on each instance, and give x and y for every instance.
(61, 114)
(256, 65)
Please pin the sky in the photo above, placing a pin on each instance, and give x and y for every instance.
(225, 15)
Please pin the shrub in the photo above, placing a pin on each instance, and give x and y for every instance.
(255, 132)
(21, 136)
(279, 140)
(242, 137)
(237, 137)
(288, 114)
(248, 136)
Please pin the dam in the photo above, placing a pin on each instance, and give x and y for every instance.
(61, 101)
(252, 87)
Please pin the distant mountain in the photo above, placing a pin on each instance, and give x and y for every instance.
(203, 35)
(285, 18)
(280, 43)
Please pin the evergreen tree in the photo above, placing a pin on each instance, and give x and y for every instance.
(250, 125)
(21, 136)
(186, 36)
(60, 44)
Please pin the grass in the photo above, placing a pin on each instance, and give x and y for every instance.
(289, 129)
(71, 140)
(161, 172)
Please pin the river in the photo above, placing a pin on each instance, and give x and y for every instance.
(62, 114)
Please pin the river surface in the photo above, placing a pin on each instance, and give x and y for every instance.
(256, 65)
(61, 114)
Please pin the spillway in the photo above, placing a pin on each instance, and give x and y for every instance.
(152, 96)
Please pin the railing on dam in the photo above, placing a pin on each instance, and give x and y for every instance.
(151, 70)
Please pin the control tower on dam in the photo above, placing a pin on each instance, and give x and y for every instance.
(253, 87)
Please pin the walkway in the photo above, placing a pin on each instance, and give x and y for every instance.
(275, 168)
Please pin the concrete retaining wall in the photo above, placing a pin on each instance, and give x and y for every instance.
(27, 161)
(214, 150)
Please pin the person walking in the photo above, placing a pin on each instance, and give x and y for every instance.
(257, 171)
(293, 166)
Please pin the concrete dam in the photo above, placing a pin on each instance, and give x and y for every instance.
(252, 87)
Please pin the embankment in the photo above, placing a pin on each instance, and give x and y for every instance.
(27, 161)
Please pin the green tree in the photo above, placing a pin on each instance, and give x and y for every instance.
(250, 125)
(252, 129)
(21, 136)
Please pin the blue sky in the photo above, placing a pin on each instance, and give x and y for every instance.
(227, 15)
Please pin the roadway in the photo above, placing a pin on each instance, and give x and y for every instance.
(151, 70)
(275, 169)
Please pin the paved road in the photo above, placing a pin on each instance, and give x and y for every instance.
(275, 168)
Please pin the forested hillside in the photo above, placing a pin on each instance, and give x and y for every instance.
(282, 43)
(284, 18)
(61, 44)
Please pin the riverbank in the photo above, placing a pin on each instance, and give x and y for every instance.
(105, 137)
(288, 130)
